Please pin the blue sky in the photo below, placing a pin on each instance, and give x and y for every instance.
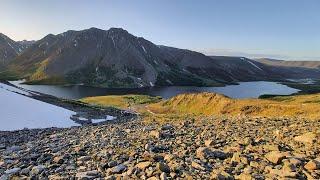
(276, 28)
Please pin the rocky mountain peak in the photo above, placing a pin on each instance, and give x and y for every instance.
(118, 30)
(116, 58)
(5, 38)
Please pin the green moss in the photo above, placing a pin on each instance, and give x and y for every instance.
(142, 99)
(276, 97)
(313, 101)
(90, 76)
(178, 78)
(9, 76)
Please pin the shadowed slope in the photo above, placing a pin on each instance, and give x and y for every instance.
(113, 58)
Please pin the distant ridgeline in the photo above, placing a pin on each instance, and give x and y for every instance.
(115, 58)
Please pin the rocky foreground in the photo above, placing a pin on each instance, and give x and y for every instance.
(207, 148)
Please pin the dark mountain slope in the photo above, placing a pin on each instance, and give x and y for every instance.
(113, 58)
(9, 49)
(116, 58)
(244, 69)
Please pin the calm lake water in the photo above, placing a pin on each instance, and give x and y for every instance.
(243, 90)
(18, 111)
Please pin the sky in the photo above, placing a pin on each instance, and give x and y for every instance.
(285, 29)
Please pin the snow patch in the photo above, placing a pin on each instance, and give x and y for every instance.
(254, 65)
(59, 51)
(108, 118)
(44, 43)
(75, 43)
(5, 54)
(10, 46)
(3, 36)
(151, 84)
(144, 49)
(114, 44)
(168, 81)
(82, 119)
(13, 89)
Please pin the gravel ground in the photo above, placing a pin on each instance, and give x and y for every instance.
(204, 148)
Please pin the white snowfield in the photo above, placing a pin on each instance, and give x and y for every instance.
(13, 89)
(256, 66)
(20, 112)
(108, 118)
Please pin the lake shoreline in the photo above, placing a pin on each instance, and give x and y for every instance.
(81, 109)
(90, 113)
(252, 89)
(86, 110)
(240, 147)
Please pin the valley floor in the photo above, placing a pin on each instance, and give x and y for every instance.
(185, 148)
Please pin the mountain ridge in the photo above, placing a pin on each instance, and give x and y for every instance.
(10, 48)
(132, 61)
(294, 63)
(116, 58)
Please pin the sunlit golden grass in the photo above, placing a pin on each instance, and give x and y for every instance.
(300, 106)
(40, 74)
(211, 104)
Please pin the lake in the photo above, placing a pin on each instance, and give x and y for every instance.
(243, 90)
(18, 111)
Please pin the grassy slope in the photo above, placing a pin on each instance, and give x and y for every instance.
(208, 104)
(122, 102)
(302, 106)
(9, 76)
